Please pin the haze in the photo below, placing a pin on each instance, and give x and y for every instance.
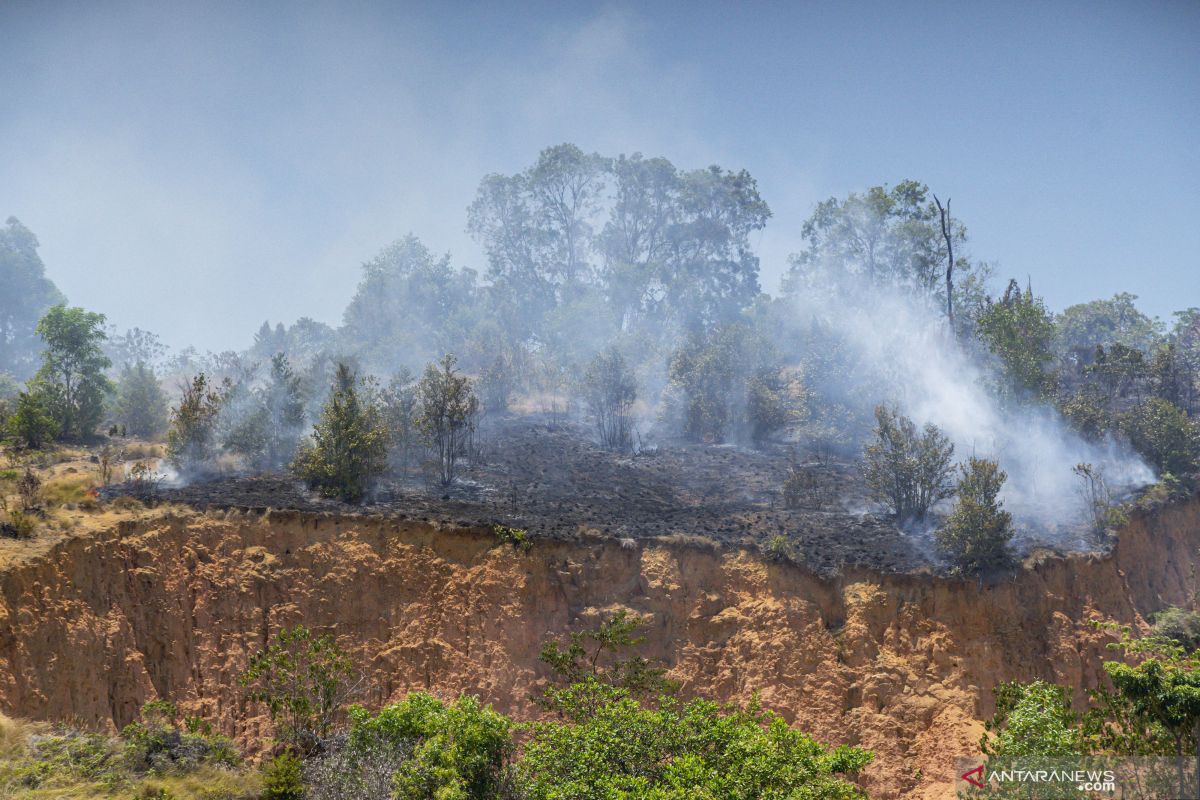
(192, 170)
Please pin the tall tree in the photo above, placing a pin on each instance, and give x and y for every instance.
(1019, 331)
(25, 295)
(72, 371)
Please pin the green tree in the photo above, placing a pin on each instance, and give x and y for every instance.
(25, 295)
(602, 654)
(304, 680)
(1162, 687)
(140, 404)
(456, 751)
(72, 371)
(976, 534)
(1034, 727)
(191, 438)
(907, 471)
(31, 424)
(447, 409)
(1162, 433)
(1019, 331)
(348, 447)
(609, 746)
(1081, 328)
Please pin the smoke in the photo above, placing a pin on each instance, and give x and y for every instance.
(896, 348)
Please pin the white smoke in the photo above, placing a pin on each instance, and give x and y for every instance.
(903, 353)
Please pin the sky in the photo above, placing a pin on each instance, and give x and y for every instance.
(194, 169)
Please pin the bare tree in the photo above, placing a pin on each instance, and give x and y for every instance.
(944, 215)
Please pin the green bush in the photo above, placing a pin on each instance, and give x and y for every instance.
(283, 778)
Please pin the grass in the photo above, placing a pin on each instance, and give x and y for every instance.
(68, 488)
(38, 762)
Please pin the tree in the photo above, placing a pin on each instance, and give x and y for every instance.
(907, 471)
(600, 654)
(72, 371)
(348, 446)
(25, 295)
(1081, 328)
(1019, 331)
(447, 408)
(282, 399)
(1163, 688)
(976, 534)
(31, 424)
(726, 382)
(609, 391)
(191, 438)
(140, 404)
(608, 746)
(304, 680)
(1032, 720)
(1163, 434)
(456, 750)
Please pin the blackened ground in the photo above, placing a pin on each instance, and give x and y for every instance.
(551, 480)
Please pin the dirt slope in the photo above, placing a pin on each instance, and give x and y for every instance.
(172, 604)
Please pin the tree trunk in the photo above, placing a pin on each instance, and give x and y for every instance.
(944, 214)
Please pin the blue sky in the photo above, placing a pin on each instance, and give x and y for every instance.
(194, 169)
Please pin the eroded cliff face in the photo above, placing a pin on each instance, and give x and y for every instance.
(173, 604)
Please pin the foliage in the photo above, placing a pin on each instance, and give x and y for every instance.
(447, 409)
(780, 548)
(457, 751)
(907, 471)
(609, 746)
(1019, 331)
(348, 447)
(140, 405)
(976, 534)
(1179, 625)
(191, 438)
(25, 295)
(155, 743)
(1081, 328)
(398, 406)
(726, 382)
(517, 537)
(72, 371)
(1164, 435)
(304, 680)
(1032, 720)
(600, 654)
(283, 777)
(31, 423)
(609, 389)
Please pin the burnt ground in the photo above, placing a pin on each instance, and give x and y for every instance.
(551, 480)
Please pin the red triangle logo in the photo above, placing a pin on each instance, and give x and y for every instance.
(978, 772)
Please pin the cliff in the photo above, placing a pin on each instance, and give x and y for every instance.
(172, 604)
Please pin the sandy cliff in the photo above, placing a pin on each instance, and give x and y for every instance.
(171, 605)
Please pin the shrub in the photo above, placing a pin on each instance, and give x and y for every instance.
(283, 778)
(907, 471)
(975, 536)
(780, 548)
(31, 424)
(517, 537)
(1179, 625)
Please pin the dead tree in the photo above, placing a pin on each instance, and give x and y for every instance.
(944, 214)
